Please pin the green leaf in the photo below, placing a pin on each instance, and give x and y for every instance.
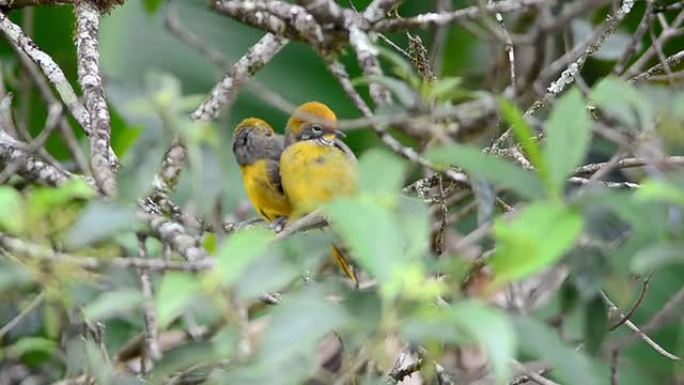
(381, 172)
(112, 303)
(658, 190)
(151, 6)
(466, 322)
(534, 240)
(289, 332)
(238, 251)
(492, 329)
(369, 229)
(524, 135)
(41, 200)
(595, 324)
(406, 96)
(100, 221)
(176, 290)
(569, 365)
(567, 138)
(11, 210)
(658, 255)
(623, 102)
(445, 88)
(28, 345)
(500, 172)
(401, 67)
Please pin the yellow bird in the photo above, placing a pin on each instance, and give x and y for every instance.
(316, 167)
(257, 150)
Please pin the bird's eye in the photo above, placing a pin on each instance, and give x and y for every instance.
(316, 129)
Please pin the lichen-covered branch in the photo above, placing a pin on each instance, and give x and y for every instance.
(21, 248)
(435, 19)
(177, 236)
(102, 160)
(225, 92)
(277, 17)
(27, 165)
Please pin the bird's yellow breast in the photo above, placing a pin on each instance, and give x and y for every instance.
(313, 174)
(263, 192)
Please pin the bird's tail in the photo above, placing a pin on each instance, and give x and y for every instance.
(346, 267)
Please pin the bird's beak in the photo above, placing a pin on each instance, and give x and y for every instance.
(340, 134)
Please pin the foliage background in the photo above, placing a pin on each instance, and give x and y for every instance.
(136, 49)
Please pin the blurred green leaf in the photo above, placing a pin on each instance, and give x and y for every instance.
(525, 136)
(400, 66)
(623, 102)
(445, 88)
(658, 255)
(498, 171)
(28, 345)
(413, 219)
(381, 172)
(369, 230)
(406, 96)
(42, 200)
(176, 290)
(112, 303)
(658, 190)
(534, 240)
(589, 266)
(152, 6)
(464, 323)
(595, 324)
(11, 210)
(290, 333)
(492, 329)
(570, 366)
(239, 250)
(567, 138)
(100, 221)
(613, 47)
(182, 358)
(12, 276)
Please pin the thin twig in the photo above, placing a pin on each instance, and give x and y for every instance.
(151, 349)
(636, 305)
(638, 331)
(534, 376)
(37, 300)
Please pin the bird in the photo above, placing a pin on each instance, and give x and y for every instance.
(257, 149)
(316, 166)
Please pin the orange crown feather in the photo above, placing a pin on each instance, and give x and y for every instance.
(310, 112)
